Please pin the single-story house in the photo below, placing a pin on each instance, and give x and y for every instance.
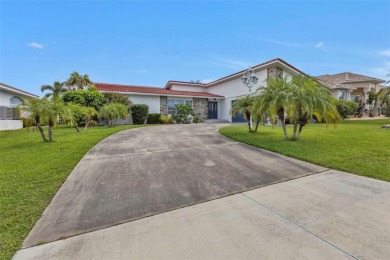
(351, 86)
(214, 100)
(211, 101)
(10, 98)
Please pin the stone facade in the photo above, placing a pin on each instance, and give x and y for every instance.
(274, 72)
(200, 107)
(163, 105)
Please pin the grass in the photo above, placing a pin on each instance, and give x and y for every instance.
(31, 172)
(358, 147)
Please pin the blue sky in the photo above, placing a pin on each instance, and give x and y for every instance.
(151, 42)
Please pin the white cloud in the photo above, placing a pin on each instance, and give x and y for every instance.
(35, 45)
(230, 63)
(385, 53)
(281, 43)
(319, 45)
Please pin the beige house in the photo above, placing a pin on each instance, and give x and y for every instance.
(351, 86)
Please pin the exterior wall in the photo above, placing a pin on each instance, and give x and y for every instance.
(188, 88)
(232, 90)
(152, 101)
(163, 105)
(200, 106)
(10, 124)
(5, 97)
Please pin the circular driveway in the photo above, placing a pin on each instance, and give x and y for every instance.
(146, 171)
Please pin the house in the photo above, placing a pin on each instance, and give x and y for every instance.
(10, 98)
(214, 100)
(351, 86)
(210, 101)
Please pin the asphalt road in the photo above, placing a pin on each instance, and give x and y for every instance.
(146, 171)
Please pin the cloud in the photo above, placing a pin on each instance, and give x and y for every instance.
(319, 45)
(385, 53)
(229, 63)
(35, 45)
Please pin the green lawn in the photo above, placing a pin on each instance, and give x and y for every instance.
(359, 147)
(31, 171)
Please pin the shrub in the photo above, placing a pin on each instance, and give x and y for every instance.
(386, 111)
(183, 114)
(110, 97)
(346, 108)
(197, 119)
(166, 120)
(112, 112)
(153, 118)
(139, 112)
(90, 97)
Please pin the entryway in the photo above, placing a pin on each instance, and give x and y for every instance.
(213, 110)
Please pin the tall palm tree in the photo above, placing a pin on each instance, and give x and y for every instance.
(55, 90)
(77, 80)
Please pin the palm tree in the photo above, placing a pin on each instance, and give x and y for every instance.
(77, 111)
(77, 80)
(35, 108)
(55, 90)
(244, 106)
(309, 97)
(112, 112)
(273, 100)
(53, 110)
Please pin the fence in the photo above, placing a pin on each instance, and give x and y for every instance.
(9, 113)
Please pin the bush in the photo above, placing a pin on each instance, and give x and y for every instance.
(153, 118)
(197, 119)
(110, 97)
(139, 112)
(90, 97)
(183, 114)
(110, 113)
(166, 120)
(386, 111)
(346, 108)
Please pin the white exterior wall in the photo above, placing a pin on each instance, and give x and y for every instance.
(5, 98)
(10, 124)
(152, 101)
(232, 90)
(188, 88)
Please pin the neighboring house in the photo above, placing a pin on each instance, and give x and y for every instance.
(10, 98)
(351, 86)
(211, 101)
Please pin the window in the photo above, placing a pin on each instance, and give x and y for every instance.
(173, 102)
(15, 101)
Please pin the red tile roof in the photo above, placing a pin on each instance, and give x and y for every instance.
(107, 87)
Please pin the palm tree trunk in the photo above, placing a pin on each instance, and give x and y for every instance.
(87, 122)
(257, 125)
(281, 118)
(50, 130)
(248, 116)
(295, 130)
(40, 128)
(77, 127)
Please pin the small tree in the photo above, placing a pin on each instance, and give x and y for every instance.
(245, 105)
(139, 113)
(110, 113)
(90, 97)
(54, 91)
(183, 114)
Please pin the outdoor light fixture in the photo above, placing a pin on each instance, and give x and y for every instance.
(249, 80)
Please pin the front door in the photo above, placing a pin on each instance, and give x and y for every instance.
(213, 110)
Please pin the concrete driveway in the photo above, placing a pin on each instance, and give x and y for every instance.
(146, 171)
(148, 178)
